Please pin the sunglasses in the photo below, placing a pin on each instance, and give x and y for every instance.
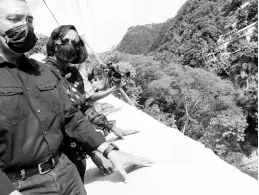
(66, 41)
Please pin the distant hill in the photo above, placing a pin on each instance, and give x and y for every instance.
(197, 26)
(194, 29)
(138, 39)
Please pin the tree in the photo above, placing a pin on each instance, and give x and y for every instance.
(184, 36)
(138, 39)
(215, 103)
(132, 90)
(110, 57)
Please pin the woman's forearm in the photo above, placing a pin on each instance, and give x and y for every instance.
(102, 94)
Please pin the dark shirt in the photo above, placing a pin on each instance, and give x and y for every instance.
(35, 112)
(75, 79)
(75, 84)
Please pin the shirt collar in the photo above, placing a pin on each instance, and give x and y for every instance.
(3, 59)
(23, 61)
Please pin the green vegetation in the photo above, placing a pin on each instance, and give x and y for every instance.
(197, 102)
(194, 29)
(213, 102)
(138, 39)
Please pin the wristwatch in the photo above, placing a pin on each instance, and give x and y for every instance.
(111, 147)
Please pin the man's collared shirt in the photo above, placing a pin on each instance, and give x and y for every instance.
(34, 114)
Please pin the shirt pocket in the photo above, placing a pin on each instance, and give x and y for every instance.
(49, 96)
(47, 86)
(13, 105)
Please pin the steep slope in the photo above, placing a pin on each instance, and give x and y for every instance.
(195, 28)
(138, 39)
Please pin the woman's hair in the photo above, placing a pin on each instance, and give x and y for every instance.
(59, 33)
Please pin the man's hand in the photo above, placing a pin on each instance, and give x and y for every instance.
(121, 133)
(104, 165)
(120, 159)
(15, 192)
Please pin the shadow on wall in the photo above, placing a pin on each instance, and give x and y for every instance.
(93, 175)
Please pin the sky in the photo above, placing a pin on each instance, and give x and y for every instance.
(103, 22)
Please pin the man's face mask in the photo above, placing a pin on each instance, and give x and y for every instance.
(21, 38)
(66, 52)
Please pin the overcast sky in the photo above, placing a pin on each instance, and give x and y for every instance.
(104, 22)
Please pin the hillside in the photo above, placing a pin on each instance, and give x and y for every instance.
(138, 39)
(211, 100)
(214, 100)
(195, 28)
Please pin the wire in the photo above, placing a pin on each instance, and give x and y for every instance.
(94, 23)
(50, 11)
(81, 16)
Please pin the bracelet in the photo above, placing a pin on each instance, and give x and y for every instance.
(111, 147)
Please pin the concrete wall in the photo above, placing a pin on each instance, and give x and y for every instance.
(182, 165)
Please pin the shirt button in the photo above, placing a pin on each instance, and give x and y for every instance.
(38, 110)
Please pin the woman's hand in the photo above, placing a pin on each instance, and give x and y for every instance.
(121, 133)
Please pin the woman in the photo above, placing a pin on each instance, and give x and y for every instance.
(65, 47)
(98, 88)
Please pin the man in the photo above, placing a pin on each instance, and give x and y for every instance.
(34, 111)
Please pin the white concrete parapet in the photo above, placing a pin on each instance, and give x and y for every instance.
(182, 166)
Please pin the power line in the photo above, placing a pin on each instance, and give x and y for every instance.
(94, 24)
(81, 18)
(50, 11)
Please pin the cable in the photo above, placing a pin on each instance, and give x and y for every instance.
(81, 18)
(94, 23)
(50, 11)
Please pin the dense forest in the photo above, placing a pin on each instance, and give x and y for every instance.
(138, 39)
(212, 101)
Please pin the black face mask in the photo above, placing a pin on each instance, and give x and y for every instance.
(66, 52)
(21, 38)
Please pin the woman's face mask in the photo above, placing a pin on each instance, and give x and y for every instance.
(66, 52)
(67, 47)
(21, 38)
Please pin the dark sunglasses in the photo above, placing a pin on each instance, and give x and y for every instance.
(73, 42)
